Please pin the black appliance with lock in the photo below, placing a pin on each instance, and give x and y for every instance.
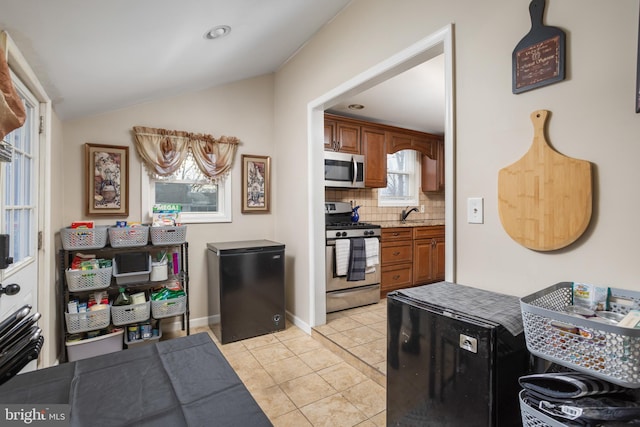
(246, 288)
(454, 357)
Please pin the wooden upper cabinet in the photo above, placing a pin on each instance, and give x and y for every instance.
(375, 141)
(433, 170)
(410, 140)
(341, 135)
(374, 149)
(329, 134)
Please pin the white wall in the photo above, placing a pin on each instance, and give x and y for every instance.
(593, 118)
(243, 109)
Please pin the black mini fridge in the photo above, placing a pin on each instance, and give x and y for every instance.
(246, 288)
(451, 361)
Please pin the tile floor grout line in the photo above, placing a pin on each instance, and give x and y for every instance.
(374, 372)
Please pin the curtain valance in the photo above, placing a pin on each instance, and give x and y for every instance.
(162, 151)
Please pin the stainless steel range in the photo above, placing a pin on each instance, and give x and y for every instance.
(343, 293)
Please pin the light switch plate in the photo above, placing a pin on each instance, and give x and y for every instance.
(475, 211)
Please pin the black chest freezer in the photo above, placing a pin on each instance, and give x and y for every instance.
(454, 356)
(246, 288)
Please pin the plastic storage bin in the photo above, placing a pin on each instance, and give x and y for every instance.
(133, 313)
(142, 342)
(90, 347)
(169, 307)
(134, 276)
(168, 234)
(88, 321)
(84, 238)
(532, 417)
(85, 280)
(603, 350)
(126, 237)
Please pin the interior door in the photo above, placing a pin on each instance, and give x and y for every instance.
(19, 210)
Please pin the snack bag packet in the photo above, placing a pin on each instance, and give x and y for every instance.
(590, 296)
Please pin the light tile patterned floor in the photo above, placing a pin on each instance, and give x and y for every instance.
(333, 378)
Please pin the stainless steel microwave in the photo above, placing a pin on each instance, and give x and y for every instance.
(343, 170)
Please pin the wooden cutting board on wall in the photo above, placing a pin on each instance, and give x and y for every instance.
(545, 198)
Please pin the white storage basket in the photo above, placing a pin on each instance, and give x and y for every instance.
(133, 313)
(87, 321)
(531, 417)
(127, 237)
(84, 238)
(606, 351)
(85, 280)
(97, 346)
(168, 234)
(169, 307)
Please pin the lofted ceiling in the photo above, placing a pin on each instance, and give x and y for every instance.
(93, 56)
(96, 56)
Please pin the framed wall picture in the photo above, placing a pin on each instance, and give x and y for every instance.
(256, 186)
(107, 180)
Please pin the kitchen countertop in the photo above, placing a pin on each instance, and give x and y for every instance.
(410, 223)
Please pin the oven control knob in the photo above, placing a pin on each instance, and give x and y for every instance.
(338, 234)
(366, 232)
(344, 234)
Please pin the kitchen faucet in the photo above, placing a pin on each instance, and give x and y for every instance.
(405, 213)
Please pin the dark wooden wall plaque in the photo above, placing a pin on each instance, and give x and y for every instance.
(538, 59)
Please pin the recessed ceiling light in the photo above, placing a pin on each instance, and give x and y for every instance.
(217, 32)
(355, 107)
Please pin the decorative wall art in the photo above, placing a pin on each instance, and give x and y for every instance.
(256, 187)
(538, 59)
(107, 180)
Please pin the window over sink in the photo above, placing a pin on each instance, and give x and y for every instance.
(403, 180)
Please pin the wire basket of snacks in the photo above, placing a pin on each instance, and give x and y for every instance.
(132, 313)
(598, 338)
(89, 320)
(84, 280)
(84, 238)
(168, 302)
(126, 237)
(168, 234)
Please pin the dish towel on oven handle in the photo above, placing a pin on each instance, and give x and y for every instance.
(372, 249)
(342, 256)
(357, 260)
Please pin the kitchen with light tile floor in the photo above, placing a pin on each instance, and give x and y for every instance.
(336, 377)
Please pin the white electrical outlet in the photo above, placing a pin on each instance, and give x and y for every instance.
(421, 208)
(475, 211)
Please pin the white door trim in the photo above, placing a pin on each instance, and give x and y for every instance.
(439, 42)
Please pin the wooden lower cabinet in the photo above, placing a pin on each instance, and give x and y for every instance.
(411, 256)
(428, 255)
(395, 277)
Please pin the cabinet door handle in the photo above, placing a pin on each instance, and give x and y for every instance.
(396, 234)
(396, 277)
(396, 253)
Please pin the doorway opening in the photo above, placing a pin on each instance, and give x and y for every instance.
(438, 43)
